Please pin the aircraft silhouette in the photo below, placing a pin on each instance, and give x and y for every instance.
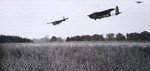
(58, 21)
(104, 14)
(139, 2)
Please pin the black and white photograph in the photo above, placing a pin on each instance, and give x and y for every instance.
(74, 35)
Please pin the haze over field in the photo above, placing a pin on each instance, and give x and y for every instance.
(28, 18)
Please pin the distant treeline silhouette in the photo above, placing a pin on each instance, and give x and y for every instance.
(143, 36)
(13, 39)
(47, 39)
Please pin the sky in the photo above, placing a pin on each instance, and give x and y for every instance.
(28, 18)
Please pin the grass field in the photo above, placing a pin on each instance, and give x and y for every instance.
(75, 56)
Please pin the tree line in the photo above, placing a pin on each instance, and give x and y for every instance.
(143, 36)
(13, 39)
(47, 39)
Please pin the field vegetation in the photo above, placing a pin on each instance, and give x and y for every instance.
(75, 56)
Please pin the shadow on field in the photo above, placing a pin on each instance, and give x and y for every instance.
(76, 57)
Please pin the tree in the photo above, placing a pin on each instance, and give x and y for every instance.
(13, 39)
(46, 39)
(144, 36)
(110, 36)
(89, 38)
(68, 39)
(77, 38)
(54, 38)
(97, 37)
(59, 39)
(120, 37)
(133, 36)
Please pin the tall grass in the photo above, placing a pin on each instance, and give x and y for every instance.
(75, 56)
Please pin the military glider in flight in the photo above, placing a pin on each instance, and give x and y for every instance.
(139, 2)
(104, 14)
(58, 21)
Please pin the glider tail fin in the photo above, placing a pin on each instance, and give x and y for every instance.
(63, 17)
(117, 11)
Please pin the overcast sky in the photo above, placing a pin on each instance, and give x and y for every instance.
(28, 18)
